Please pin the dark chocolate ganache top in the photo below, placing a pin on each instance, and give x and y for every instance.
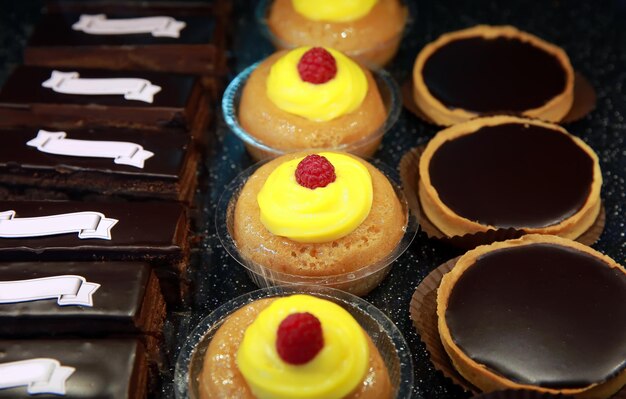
(493, 75)
(542, 314)
(512, 175)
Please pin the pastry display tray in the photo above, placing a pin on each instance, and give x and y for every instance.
(593, 36)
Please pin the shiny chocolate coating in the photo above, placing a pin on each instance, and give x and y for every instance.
(512, 175)
(166, 164)
(116, 309)
(104, 369)
(55, 29)
(493, 75)
(542, 314)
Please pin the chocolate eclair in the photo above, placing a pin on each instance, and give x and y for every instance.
(488, 70)
(507, 172)
(540, 313)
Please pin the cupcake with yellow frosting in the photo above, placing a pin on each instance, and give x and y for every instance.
(367, 30)
(302, 342)
(292, 347)
(323, 218)
(310, 97)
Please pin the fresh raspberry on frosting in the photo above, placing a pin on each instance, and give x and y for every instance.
(299, 338)
(315, 171)
(317, 66)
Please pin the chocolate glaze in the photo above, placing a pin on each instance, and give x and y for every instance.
(493, 75)
(512, 175)
(155, 232)
(116, 306)
(105, 369)
(55, 29)
(542, 314)
(23, 87)
(166, 164)
(199, 49)
(145, 231)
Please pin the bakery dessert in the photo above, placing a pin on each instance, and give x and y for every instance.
(156, 232)
(492, 70)
(508, 172)
(297, 346)
(106, 161)
(541, 313)
(73, 369)
(312, 98)
(318, 215)
(369, 31)
(180, 38)
(35, 97)
(90, 299)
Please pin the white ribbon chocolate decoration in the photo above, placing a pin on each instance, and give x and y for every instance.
(87, 224)
(40, 375)
(67, 289)
(122, 152)
(132, 88)
(156, 26)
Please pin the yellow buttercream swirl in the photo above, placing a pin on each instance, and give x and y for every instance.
(332, 374)
(322, 214)
(317, 102)
(333, 10)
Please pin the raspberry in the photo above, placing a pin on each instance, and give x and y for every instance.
(315, 171)
(317, 66)
(299, 338)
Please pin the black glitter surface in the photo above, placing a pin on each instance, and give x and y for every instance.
(591, 32)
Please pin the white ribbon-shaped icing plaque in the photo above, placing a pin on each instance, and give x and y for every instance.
(131, 88)
(87, 224)
(122, 152)
(40, 375)
(66, 289)
(156, 26)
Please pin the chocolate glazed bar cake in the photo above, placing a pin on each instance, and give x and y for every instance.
(71, 98)
(87, 299)
(488, 70)
(107, 161)
(507, 172)
(174, 37)
(73, 369)
(155, 232)
(540, 313)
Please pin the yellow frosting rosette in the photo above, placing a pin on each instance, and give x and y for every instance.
(316, 215)
(333, 10)
(332, 374)
(317, 102)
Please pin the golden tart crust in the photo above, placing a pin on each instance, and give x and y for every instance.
(479, 374)
(554, 110)
(453, 224)
(220, 377)
(376, 237)
(279, 129)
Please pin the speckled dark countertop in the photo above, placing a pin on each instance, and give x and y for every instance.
(594, 36)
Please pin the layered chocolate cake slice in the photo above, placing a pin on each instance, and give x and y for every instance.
(71, 98)
(106, 161)
(156, 232)
(174, 37)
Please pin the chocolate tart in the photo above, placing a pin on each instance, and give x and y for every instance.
(505, 172)
(540, 313)
(486, 70)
